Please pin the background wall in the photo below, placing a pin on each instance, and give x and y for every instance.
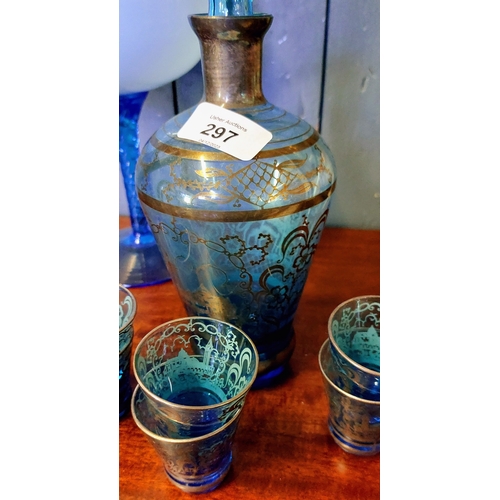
(320, 62)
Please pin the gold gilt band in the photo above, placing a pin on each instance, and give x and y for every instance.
(234, 216)
(220, 156)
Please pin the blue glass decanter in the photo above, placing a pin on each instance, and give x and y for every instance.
(238, 236)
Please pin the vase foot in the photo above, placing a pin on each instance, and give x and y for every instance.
(141, 263)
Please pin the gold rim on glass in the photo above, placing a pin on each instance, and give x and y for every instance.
(332, 340)
(177, 406)
(335, 386)
(176, 440)
(134, 307)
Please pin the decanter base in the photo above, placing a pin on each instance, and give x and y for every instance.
(271, 369)
(141, 263)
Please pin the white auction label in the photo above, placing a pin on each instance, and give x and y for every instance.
(225, 130)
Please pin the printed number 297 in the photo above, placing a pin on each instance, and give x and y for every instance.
(218, 132)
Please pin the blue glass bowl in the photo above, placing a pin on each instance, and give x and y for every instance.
(128, 307)
(354, 333)
(197, 371)
(195, 465)
(353, 422)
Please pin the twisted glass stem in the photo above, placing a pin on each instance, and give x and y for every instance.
(130, 108)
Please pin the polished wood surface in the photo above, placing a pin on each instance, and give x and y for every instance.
(283, 449)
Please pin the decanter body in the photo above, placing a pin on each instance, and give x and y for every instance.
(238, 236)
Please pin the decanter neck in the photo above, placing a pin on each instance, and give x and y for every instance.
(231, 55)
(230, 7)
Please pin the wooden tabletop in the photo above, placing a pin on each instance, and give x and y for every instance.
(282, 449)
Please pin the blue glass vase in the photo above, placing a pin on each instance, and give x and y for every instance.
(239, 236)
(141, 263)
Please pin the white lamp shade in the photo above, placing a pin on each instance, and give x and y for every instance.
(157, 44)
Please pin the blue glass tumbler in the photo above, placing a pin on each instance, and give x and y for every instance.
(197, 371)
(128, 307)
(195, 465)
(354, 333)
(353, 422)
